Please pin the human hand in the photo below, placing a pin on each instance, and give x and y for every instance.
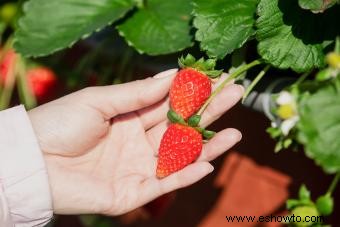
(100, 145)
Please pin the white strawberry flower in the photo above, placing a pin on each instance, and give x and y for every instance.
(285, 98)
(288, 124)
(287, 111)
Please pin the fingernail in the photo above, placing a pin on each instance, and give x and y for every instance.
(241, 88)
(165, 73)
(211, 169)
(239, 137)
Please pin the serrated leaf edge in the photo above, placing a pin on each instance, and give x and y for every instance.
(15, 39)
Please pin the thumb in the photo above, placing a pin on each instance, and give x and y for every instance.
(123, 98)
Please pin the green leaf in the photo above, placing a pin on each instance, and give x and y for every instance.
(48, 26)
(290, 37)
(291, 203)
(317, 6)
(274, 132)
(223, 25)
(319, 125)
(304, 193)
(161, 27)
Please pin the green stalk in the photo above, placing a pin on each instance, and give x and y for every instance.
(232, 76)
(3, 27)
(124, 63)
(302, 77)
(337, 45)
(6, 95)
(255, 82)
(333, 184)
(7, 91)
(25, 93)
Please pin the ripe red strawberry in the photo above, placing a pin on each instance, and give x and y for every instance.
(180, 146)
(42, 81)
(6, 63)
(192, 85)
(188, 92)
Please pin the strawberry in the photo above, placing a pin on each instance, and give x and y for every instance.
(189, 90)
(6, 63)
(192, 85)
(42, 81)
(182, 141)
(180, 146)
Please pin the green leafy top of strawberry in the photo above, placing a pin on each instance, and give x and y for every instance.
(204, 66)
(193, 122)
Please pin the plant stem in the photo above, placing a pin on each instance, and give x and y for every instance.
(25, 93)
(337, 45)
(333, 184)
(7, 91)
(254, 82)
(232, 76)
(3, 27)
(124, 63)
(302, 77)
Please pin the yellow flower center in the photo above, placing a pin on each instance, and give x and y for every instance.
(286, 111)
(333, 59)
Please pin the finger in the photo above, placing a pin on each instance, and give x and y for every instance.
(122, 98)
(153, 115)
(154, 187)
(221, 142)
(220, 80)
(155, 134)
(223, 101)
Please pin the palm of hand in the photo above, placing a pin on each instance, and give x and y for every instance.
(118, 157)
(101, 157)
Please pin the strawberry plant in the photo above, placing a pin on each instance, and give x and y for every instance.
(295, 37)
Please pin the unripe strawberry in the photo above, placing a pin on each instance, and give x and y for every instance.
(325, 204)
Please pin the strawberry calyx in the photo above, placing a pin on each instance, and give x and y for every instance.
(192, 122)
(208, 134)
(206, 67)
(175, 118)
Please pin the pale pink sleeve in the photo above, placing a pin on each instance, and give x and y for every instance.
(25, 198)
